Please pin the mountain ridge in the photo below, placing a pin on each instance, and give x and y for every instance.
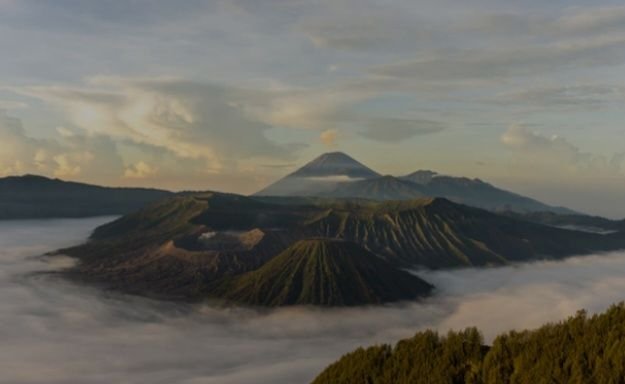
(333, 181)
(188, 246)
(33, 196)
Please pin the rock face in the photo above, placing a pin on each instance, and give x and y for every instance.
(319, 252)
(324, 272)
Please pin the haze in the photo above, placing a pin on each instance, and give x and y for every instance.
(56, 332)
(231, 95)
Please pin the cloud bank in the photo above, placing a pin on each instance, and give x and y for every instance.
(57, 332)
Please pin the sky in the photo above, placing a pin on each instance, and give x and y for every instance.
(232, 95)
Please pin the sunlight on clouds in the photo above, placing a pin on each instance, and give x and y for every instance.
(140, 170)
(329, 137)
(67, 167)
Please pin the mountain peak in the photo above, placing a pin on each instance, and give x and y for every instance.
(320, 176)
(335, 164)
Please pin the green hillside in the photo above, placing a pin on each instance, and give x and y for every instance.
(579, 350)
(324, 272)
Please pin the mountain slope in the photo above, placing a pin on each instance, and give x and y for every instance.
(25, 197)
(438, 233)
(324, 272)
(318, 176)
(379, 188)
(191, 245)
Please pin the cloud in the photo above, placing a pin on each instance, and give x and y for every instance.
(523, 60)
(93, 157)
(558, 151)
(329, 137)
(140, 170)
(587, 96)
(57, 332)
(396, 130)
(598, 20)
(191, 119)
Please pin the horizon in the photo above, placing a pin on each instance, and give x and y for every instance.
(234, 95)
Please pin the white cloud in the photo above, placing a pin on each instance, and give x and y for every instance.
(57, 332)
(193, 120)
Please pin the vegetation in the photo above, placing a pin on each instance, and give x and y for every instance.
(579, 350)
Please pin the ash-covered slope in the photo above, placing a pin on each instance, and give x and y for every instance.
(324, 272)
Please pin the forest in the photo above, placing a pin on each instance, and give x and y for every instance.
(580, 350)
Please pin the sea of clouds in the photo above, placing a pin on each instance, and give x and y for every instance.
(54, 331)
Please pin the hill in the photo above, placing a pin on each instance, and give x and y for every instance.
(324, 272)
(581, 349)
(191, 245)
(29, 196)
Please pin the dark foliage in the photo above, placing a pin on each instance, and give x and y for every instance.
(579, 350)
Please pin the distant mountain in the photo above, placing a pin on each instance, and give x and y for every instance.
(336, 175)
(318, 176)
(29, 196)
(324, 272)
(473, 192)
(476, 193)
(194, 245)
